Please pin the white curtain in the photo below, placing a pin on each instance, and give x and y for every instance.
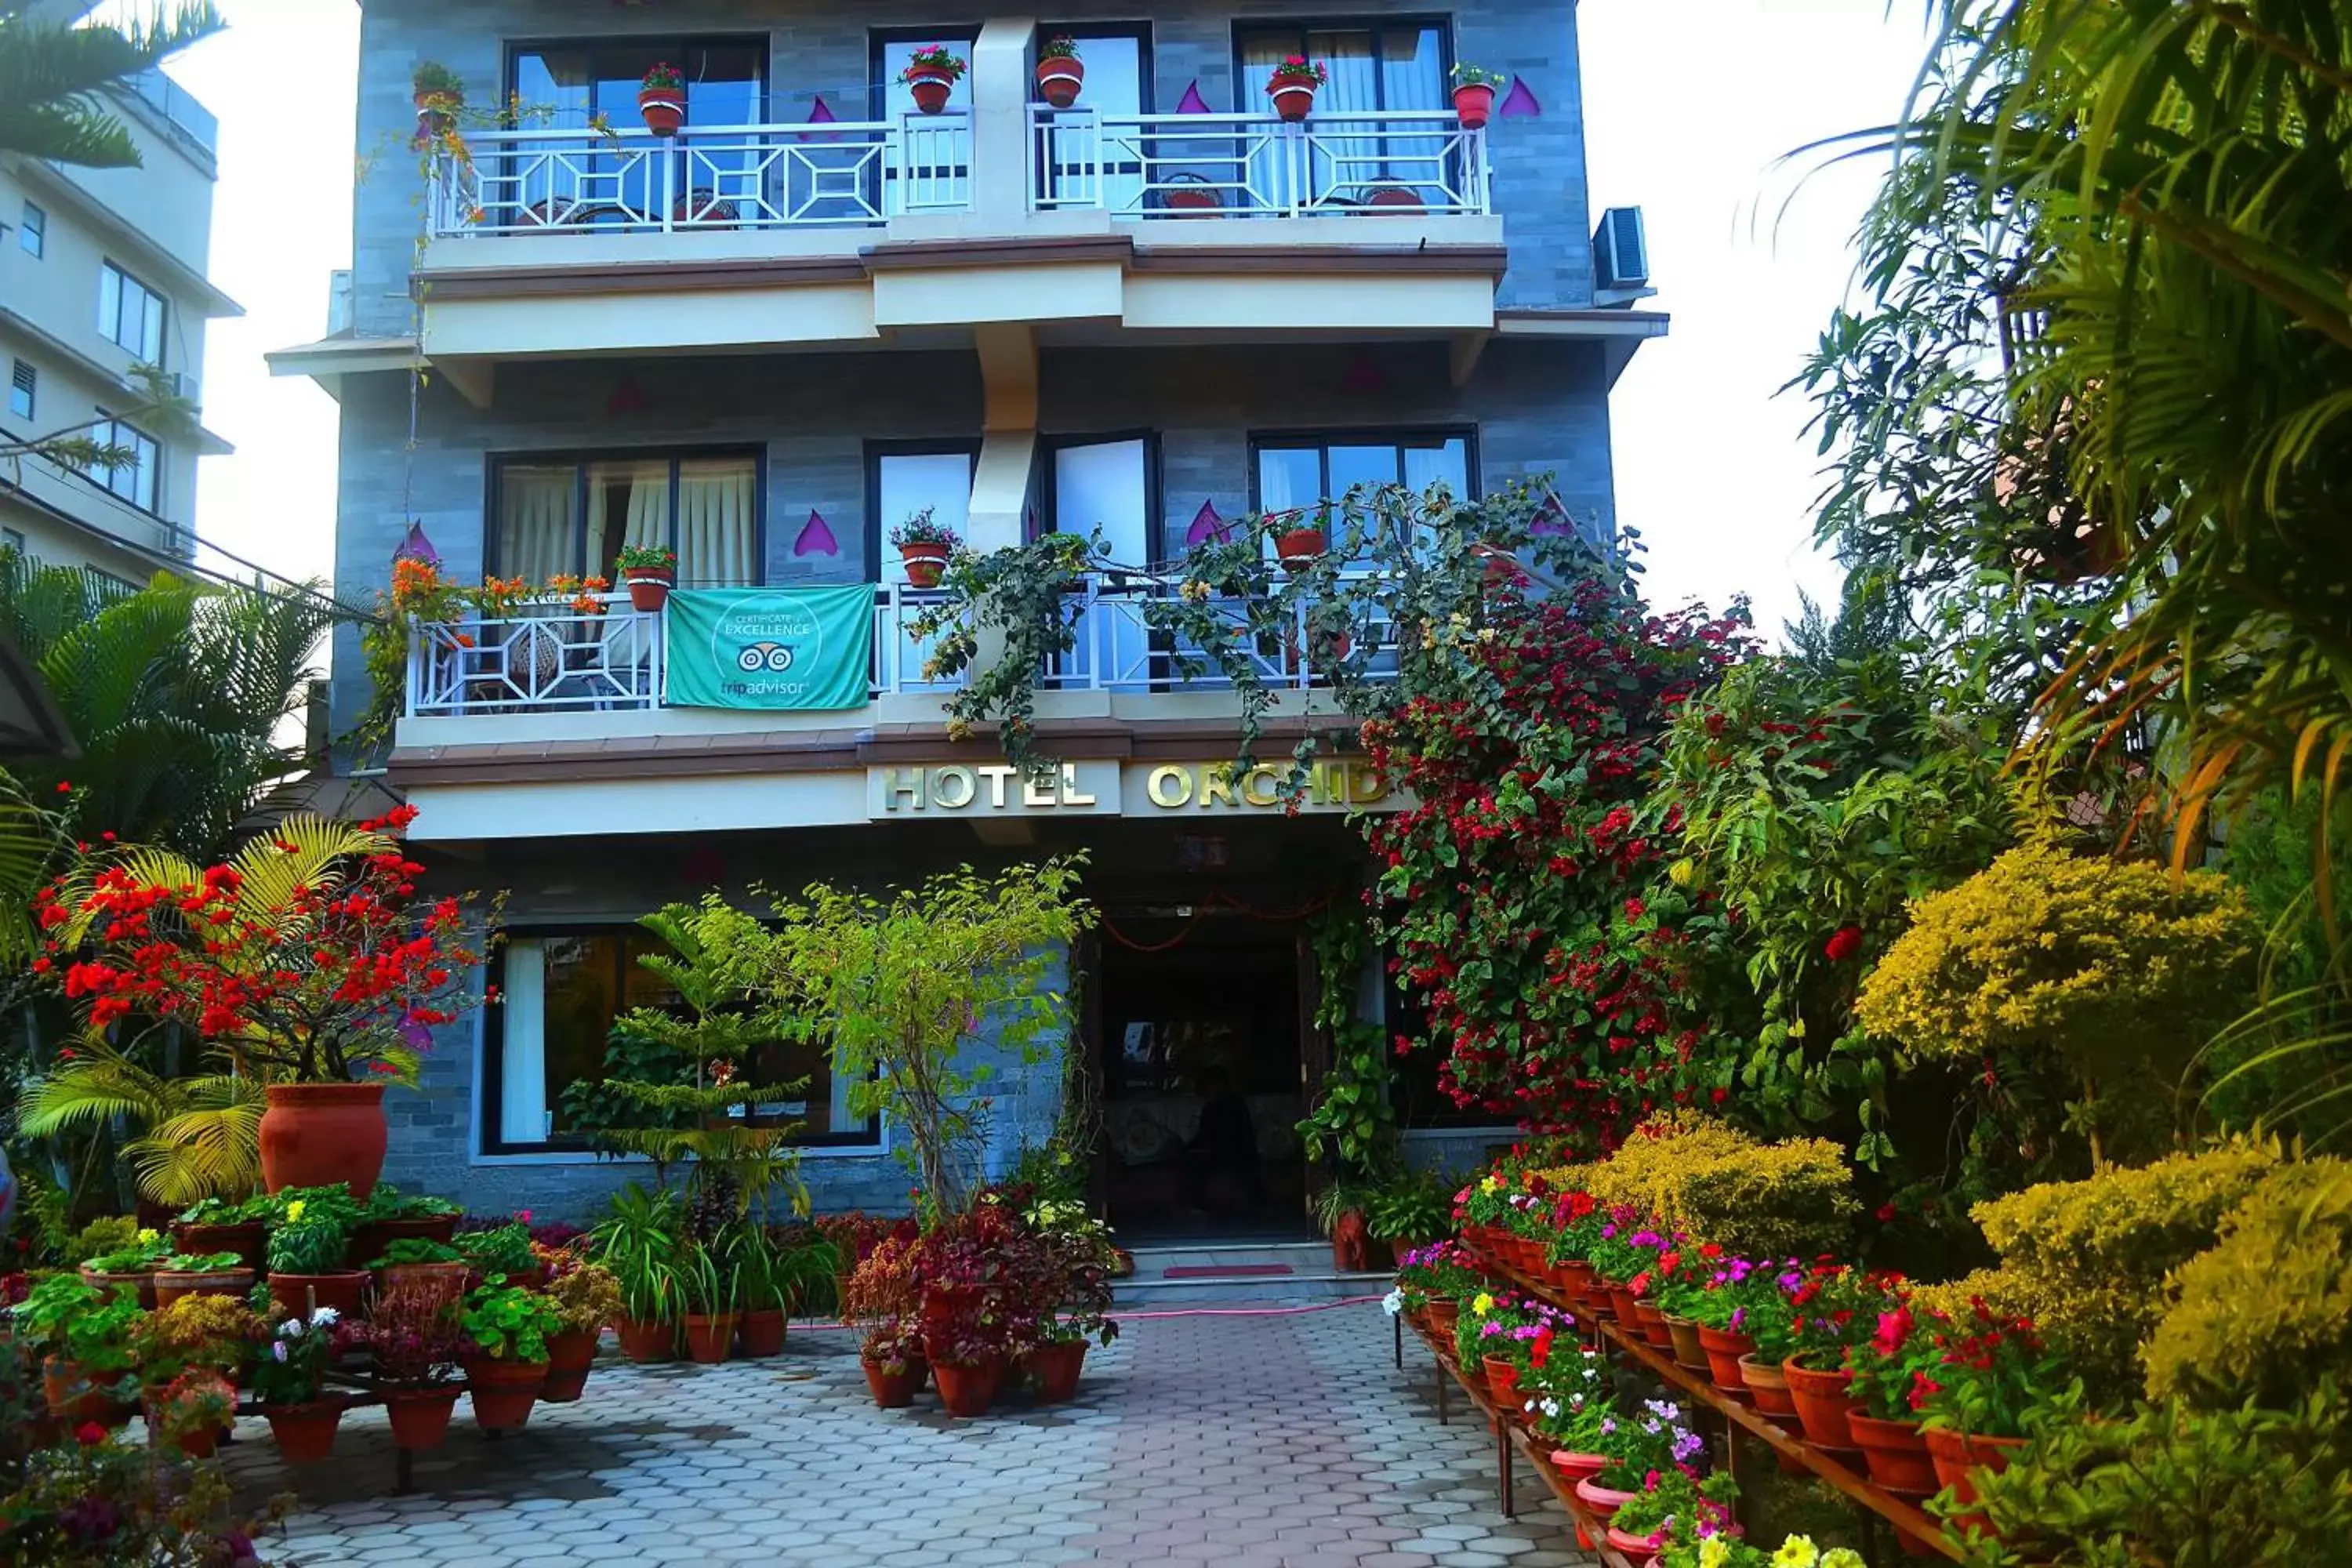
(522, 1108)
(535, 519)
(716, 541)
(632, 496)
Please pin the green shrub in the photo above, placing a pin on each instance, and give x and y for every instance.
(2185, 1488)
(1760, 1200)
(2261, 1314)
(2088, 1260)
(103, 1237)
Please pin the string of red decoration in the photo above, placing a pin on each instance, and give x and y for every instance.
(1201, 910)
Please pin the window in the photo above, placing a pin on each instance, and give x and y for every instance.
(935, 170)
(33, 233)
(11, 539)
(1380, 68)
(902, 480)
(1300, 470)
(131, 314)
(23, 382)
(557, 516)
(561, 991)
(1119, 83)
(1108, 484)
(569, 85)
(133, 480)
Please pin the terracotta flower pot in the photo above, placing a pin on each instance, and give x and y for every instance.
(1897, 1454)
(1724, 1349)
(1299, 548)
(299, 1293)
(1394, 198)
(1627, 1308)
(305, 1433)
(1475, 104)
(1640, 1548)
(504, 1391)
(930, 87)
(967, 1390)
(664, 109)
(1057, 1366)
(709, 1336)
(647, 1342)
(649, 588)
(1503, 1380)
(1294, 101)
(1689, 1351)
(570, 1354)
(926, 563)
(145, 1284)
(1576, 1466)
(1444, 1314)
(1059, 77)
(892, 1390)
(1604, 1501)
(760, 1334)
(73, 1397)
(420, 1416)
(1770, 1386)
(1652, 1319)
(249, 1240)
(1957, 1454)
(172, 1284)
(315, 1134)
(1822, 1405)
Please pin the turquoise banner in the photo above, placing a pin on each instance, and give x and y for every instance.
(770, 647)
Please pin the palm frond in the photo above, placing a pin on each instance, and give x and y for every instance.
(100, 1086)
(53, 79)
(213, 1149)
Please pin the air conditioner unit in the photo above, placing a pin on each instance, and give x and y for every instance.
(1620, 250)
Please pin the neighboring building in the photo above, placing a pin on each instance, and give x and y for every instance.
(102, 270)
(769, 340)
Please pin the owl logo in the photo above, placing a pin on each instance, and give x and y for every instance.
(774, 657)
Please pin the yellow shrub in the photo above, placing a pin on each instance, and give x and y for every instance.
(2093, 1255)
(2269, 1310)
(1717, 1184)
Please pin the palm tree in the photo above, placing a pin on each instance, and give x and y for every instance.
(53, 79)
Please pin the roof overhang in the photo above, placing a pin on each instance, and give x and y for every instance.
(30, 724)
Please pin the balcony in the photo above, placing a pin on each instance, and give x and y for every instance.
(549, 657)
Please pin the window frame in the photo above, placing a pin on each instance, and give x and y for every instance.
(672, 47)
(24, 378)
(581, 458)
(1155, 499)
(33, 230)
(490, 1098)
(1397, 435)
(115, 428)
(126, 280)
(875, 450)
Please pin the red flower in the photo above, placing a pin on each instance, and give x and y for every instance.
(64, 788)
(1886, 1212)
(90, 1433)
(1843, 944)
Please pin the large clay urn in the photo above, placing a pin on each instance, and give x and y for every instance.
(316, 1134)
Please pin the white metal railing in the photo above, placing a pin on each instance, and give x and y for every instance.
(1370, 162)
(551, 656)
(841, 173)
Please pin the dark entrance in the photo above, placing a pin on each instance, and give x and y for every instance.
(1199, 1048)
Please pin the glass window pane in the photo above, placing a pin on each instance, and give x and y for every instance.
(628, 504)
(580, 1002)
(555, 86)
(109, 304)
(1289, 477)
(910, 481)
(723, 84)
(1412, 67)
(717, 523)
(151, 328)
(1102, 486)
(1367, 466)
(1427, 462)
(538, 534)
(897, 57)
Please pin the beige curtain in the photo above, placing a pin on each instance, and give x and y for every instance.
(535, 519)
(628, 504)
(716, 539)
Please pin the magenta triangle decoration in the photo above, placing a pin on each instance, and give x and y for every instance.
(1520, 102)
(1207, 526)
(1364, 376)
(1192, 102)
(815, 538)
(415, 546)
(627, 397)
(822, 114)
(1552, 518)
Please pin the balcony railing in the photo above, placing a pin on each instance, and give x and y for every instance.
(844, 173)
(1397, 162)
(552, 658)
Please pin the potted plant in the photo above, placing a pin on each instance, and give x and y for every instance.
(132, 1266)
(503, 1249)
(650, 571)
(661, 99)
(1394, 197)
(640, 1240)
(1298, 543)
(710, 1293)
(1191, 193)
(217, 1224)
(1675, 1503)
(1831, 1309)
(307, 1249)
(892, 1359)
(1991, 1370)
(586, 1297)
(1292, 87)
(1338, 1210)
(288, 1382)
(192, 1411)
(211, 1274)
(86, 1334)
(967, 1361)
(506, 1358)
(415, 1346)
(426, 1267)
(438, 94)
(1473, 95)
(764, 1282)
(1060, 72)
(1568, 1404)
(925, 544)
(1650, 1440)
(932, 74)
(216, 1334)
(389, 1216)
(1411, 1209)
(1889, 1368)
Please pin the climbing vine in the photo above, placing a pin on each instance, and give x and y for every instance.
(1354, 1114)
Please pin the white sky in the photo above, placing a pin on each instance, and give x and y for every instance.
(1689, 105)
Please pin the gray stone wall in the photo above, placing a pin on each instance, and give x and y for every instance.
(822, 51)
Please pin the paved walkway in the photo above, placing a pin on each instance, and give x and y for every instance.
(1247, 1441)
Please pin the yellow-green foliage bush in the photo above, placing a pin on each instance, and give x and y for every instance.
(1760, 1200)
(2104, 963)
(2092, 1256)
(2269, 1310)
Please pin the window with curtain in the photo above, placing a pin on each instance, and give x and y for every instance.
(555, 517)
(562, 992)
(1298, 471)
(568, 85)
(1379, 67)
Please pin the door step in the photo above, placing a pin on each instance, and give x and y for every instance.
(1233, 1273)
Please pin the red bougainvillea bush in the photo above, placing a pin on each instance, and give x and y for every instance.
(1523, 894)
(307, 958)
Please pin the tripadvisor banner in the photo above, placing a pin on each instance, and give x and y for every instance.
(770, 647)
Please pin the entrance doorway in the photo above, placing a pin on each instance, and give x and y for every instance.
(1199, 1052)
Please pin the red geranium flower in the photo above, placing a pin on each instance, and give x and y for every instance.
(1843, 944)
